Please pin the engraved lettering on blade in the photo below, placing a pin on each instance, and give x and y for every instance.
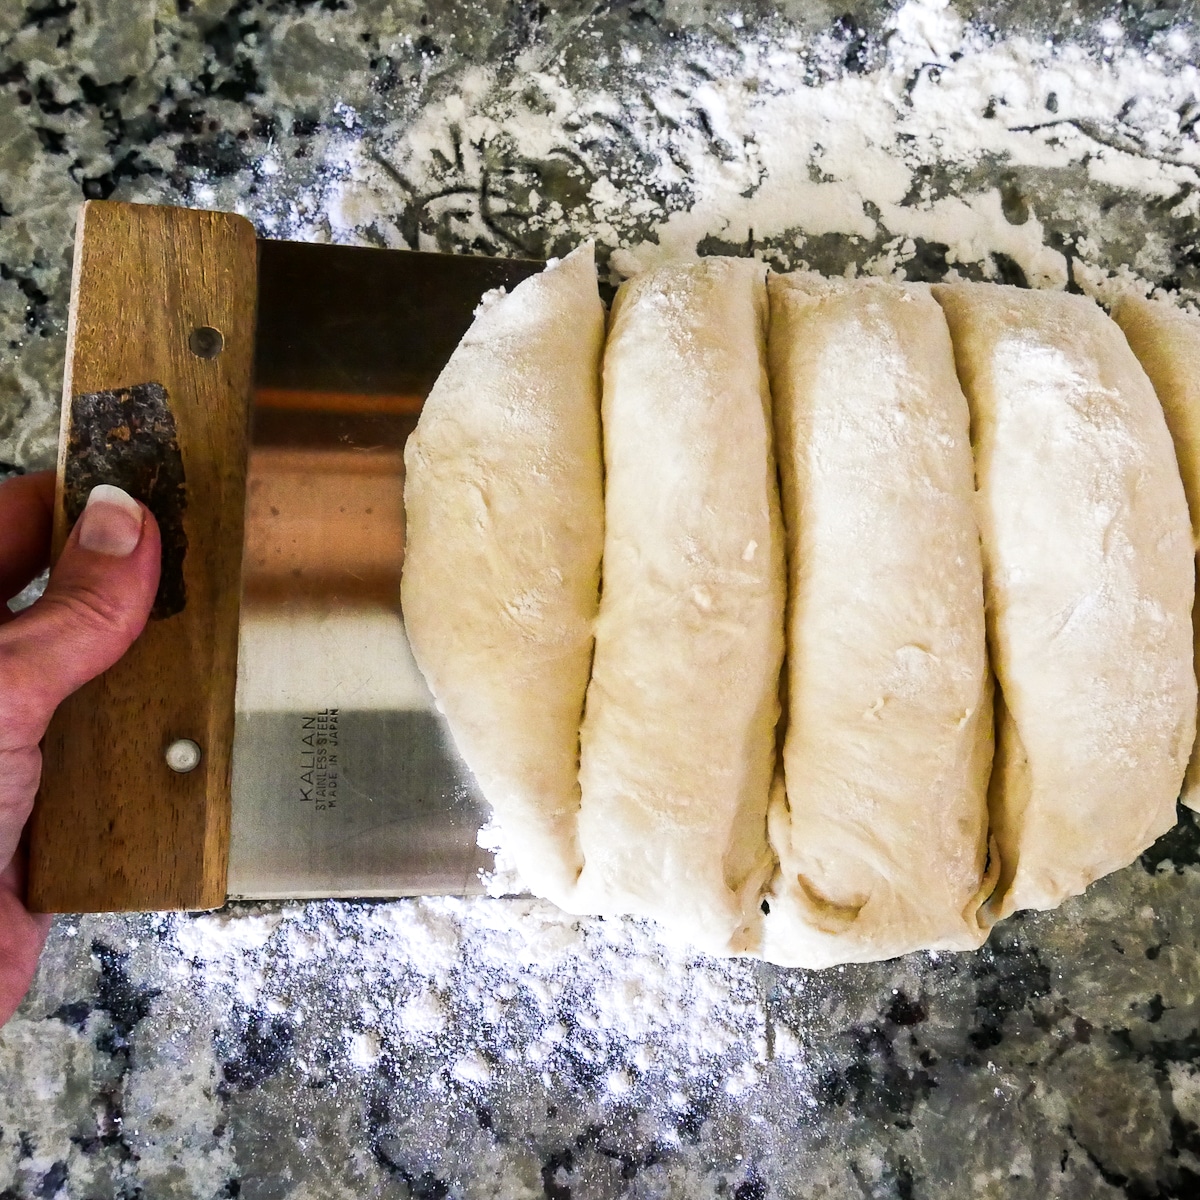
(319, 766)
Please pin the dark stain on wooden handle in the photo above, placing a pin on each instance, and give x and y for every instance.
(127, 437)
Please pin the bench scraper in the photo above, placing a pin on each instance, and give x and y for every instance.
(269, 735)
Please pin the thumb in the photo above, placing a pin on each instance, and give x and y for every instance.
(96, 603)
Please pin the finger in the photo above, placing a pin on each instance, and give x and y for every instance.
(12, 879)
(26, 516)
(97, 601)
(20, 772)
(22, 936)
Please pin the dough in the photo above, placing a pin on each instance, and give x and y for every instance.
(678, 740)
(1088, 577)
(505, 525)
(882, 836)
(1166, 341)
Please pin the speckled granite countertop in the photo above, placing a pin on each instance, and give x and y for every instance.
(492, 1048)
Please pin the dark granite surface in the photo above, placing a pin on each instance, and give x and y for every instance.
(434, 1049)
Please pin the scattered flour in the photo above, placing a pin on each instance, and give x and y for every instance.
(223, 944)
(768, 146)
(223, 937)
(364, 1049)
(485, 984)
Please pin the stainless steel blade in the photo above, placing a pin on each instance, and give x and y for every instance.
(345, 778)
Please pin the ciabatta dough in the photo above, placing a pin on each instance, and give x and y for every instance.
(882, 836)
(678, 740)
(1166, 341)
(1088, 577)
(505, 525)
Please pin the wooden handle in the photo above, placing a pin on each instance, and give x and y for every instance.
(156, 399)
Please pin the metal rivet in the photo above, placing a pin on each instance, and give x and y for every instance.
(206, 342)
(183, 756)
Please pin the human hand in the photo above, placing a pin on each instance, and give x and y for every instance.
(97, 602)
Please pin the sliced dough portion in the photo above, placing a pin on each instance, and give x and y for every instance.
(505, 525)
(882, 837)
(1166, 341)
(678, 738)
(1088, 577)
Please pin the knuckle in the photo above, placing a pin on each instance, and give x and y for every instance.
(23, 714)
(20, 773)
(91, 611)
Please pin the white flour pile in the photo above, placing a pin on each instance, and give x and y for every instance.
(765, 144)
(447, 975)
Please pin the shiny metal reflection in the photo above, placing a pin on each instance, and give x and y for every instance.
(345, 780)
